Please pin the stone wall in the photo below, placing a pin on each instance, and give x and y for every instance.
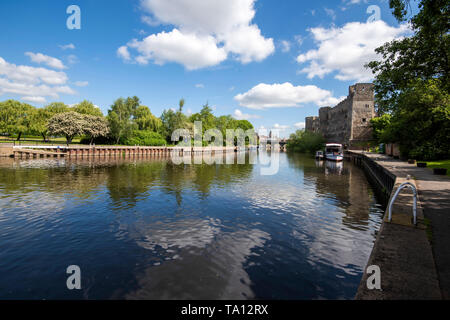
(348, 122)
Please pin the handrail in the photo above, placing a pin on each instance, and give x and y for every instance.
(402, 186)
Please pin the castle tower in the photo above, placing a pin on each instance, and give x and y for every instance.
(348, 122)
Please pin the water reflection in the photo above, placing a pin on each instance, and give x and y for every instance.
(147, 228)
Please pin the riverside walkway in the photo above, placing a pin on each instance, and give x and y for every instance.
(414, 260)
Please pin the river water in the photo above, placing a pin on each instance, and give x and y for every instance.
(151, 229)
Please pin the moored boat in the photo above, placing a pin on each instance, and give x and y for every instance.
(334, 152)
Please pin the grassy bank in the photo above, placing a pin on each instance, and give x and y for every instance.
(440, 164)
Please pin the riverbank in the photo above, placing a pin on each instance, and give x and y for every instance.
(106, 151)
(414, 260)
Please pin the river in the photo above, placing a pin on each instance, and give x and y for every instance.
(147, 228)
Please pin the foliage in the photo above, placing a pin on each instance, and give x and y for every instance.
(87, 107)
(144, 138)
(305, 142)
(95, 127)
(120, 117)
(379, 125)
(15, 117)
(68, 124)
(421, 122)
(425, 55)
(145, 120)
(41, 116)
(412, 83)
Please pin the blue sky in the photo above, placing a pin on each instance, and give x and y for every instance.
(271, 62)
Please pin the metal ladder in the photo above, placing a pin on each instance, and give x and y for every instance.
(391, 203)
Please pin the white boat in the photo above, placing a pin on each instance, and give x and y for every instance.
(334, 152)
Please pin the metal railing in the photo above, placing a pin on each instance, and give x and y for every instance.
(414, 190)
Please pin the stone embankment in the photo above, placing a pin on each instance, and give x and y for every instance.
(414, 259)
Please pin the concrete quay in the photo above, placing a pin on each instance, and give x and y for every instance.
(414, 259)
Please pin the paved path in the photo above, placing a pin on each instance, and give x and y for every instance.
(434, 196)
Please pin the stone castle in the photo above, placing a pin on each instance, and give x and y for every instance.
(347, 123)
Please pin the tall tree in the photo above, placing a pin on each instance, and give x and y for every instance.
(424, 55)
(87, 107)
(145, 120)
(40, 118)
(15, 117)
(120, 117)
(412, 81)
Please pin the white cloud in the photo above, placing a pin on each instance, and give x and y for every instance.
(200, 85)
(239, 115)
(300, 125)
(81, 83)
(123, 53)
(47, 60)
(347, 49)
(205, 33)
(285, 46)
(192, 51)
(284, 95)
(31, 83)
(280, 127)
(67, 46)
(34, 99)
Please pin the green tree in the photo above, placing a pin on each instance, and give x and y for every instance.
(68, 124)
(87, 107)
(379, 125)
(39, 119)
(412, 81)
(15, 117)
(305, 142)
(421, 122)
(424, 55)
(120, 117)
(145, 120)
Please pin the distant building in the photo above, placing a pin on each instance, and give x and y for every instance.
(348, 122)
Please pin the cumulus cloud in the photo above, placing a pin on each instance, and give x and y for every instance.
(284, 95)
(239, 115)
(200, 85)
(70, 46)
(205, 33)
(47, 60)
(190, 50)
(346, 50)
(123, 53)
(31, 83)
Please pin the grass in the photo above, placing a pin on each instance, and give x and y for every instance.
(440, 164)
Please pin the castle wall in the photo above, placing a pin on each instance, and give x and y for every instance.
(349, 122)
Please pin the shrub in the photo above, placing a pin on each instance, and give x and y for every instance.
(305, 142)
(143, 138)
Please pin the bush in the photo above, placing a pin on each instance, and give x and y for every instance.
(98, 140)
(306, 142)
(143, 138)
